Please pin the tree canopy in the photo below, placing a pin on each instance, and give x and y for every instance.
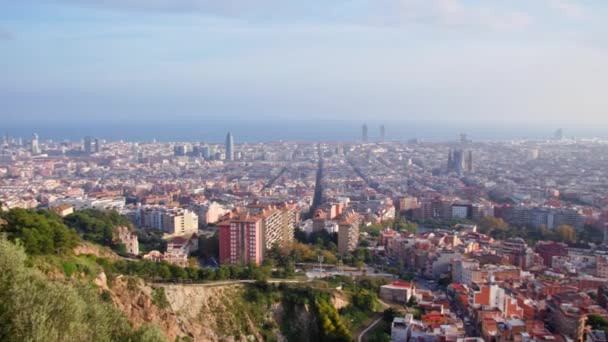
(40, 232)
(98, 226)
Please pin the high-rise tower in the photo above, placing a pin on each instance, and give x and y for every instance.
(382, 133)
(229, 147)
(35, 144)
(364, 133)
(88, 145)
(468, 162)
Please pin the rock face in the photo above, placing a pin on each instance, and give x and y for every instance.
(101, 281)
(96, 250)
(209, 313)
(134, 298)
(339, 300)
(200, 312)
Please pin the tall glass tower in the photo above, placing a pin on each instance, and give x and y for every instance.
(229, 147)
(364, 133)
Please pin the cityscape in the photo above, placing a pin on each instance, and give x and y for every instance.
(465, 240)
(303, 171)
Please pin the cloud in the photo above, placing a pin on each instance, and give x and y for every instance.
(233, 8)
(445, 13)
(450, 14)
(569, 9)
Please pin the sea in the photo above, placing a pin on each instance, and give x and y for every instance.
(253, 131)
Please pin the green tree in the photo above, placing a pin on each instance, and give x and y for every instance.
(330, 325)
(365, 300)
(597, 322)
(405, 226)
(41, 232)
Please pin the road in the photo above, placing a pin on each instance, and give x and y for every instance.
(234, 282)
(370, 327)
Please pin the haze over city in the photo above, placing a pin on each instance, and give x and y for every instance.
(303, 171)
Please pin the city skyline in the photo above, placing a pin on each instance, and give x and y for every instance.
(304, 131)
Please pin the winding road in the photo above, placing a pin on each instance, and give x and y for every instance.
(370, 327)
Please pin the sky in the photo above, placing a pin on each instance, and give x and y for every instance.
(436, 60)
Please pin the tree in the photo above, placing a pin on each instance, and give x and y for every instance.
(330, 325)
(412, 302)
(565, 233)
(389, 315)
(402, 225)
(597, 322)
(365, 300)
(329, 257)
(98, 226)
(489, 224)
(209, 246)
(41, 232)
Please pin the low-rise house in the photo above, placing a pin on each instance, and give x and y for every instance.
(397, 291)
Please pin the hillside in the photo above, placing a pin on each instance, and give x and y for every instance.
(55, 286)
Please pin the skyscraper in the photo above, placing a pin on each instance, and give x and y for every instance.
(229, 147)
(97, 145)
(364, 133)
(382, 133)
(456, 162)
(35, 145)
(206, 151)
(468, 162)
(463, 138)
(559, 134)
(88, 142)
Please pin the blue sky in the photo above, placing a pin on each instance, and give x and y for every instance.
(493, 60)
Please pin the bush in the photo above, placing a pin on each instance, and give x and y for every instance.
(68, 268)
(159, 297)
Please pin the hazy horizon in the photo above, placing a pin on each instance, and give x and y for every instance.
(456, 60)
(244, 130)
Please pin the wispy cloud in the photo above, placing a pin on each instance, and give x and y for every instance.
(453, 13)
(569, 9)
(446, 13)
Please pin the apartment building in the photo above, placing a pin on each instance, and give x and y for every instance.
(173, 221)
(348, 232)
(241, 240)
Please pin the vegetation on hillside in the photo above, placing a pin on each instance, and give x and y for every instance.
(44, 232)
(48, 293)
(98, 226)
(40, 232)
(34, 308)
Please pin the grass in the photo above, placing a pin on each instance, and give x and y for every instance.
(82, 266)
(159, 298)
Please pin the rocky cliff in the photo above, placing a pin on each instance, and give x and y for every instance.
(210, 313)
